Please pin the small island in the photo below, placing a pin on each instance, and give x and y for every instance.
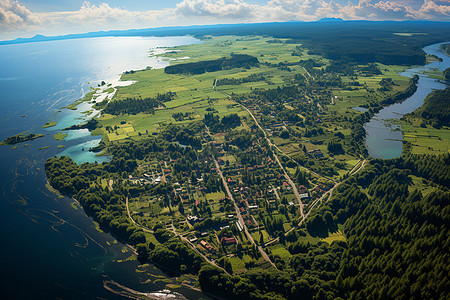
(49, 124)
(19, 138)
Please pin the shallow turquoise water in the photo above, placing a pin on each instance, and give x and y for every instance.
(51, 250)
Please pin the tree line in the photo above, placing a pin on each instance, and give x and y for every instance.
(133, 106)
(224, 63)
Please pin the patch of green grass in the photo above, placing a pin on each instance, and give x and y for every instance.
(238, 263)
(336, 236)
(60, 136)
(427, 140)
(420, 184)
(215, 196)
(49, 124)
(281, 251)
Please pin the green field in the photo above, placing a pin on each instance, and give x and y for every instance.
(195, 93)
(424, 140)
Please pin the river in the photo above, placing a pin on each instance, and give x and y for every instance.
(50, 248)
(384, 139)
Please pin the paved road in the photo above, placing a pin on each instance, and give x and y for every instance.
(238, 213)
(291, 183)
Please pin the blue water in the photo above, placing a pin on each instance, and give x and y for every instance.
(384, 140)
(49, 248)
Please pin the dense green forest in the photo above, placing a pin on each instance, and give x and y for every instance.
(224, 63)
(436, 109)
(215, 123)
(134, 106)
(397, 241)
(234, 81)
(447, 74)
(445, 48)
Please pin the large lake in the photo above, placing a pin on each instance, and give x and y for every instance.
(50, 248)
(384, 140)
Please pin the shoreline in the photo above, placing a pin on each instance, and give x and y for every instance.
(394, 115)
(106, 90)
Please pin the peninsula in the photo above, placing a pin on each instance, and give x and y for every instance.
(244, 168)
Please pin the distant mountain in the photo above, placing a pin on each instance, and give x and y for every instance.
(330, 20)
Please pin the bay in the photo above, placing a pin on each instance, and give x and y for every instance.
(50, 248)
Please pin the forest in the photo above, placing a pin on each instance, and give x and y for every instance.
(224, 63)
(216, 124)
(133, 106)
(435, 109)
(358, 41)
(397, 238)
(446, 48)
(233, 81)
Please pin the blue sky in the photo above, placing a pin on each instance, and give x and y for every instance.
(23, 18)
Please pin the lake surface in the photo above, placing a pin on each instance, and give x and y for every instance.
(384, 140)
(50, 248)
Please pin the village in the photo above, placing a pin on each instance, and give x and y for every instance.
(195, 205)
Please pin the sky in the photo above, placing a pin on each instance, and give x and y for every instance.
(25, 18)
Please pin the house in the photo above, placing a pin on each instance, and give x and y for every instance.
(303, 196)
(302, 188)
(207, 246)
(239, 226)
(192, 219)
(228, 241)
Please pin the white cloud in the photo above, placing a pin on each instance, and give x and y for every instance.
(306, 10)
(103, 16)
(16, 19)
(432, 10)
(233, 9)
(310, 10)
(14, 16)
(383, 10)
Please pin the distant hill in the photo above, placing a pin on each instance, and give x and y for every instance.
(330, 20)
(334, 38)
